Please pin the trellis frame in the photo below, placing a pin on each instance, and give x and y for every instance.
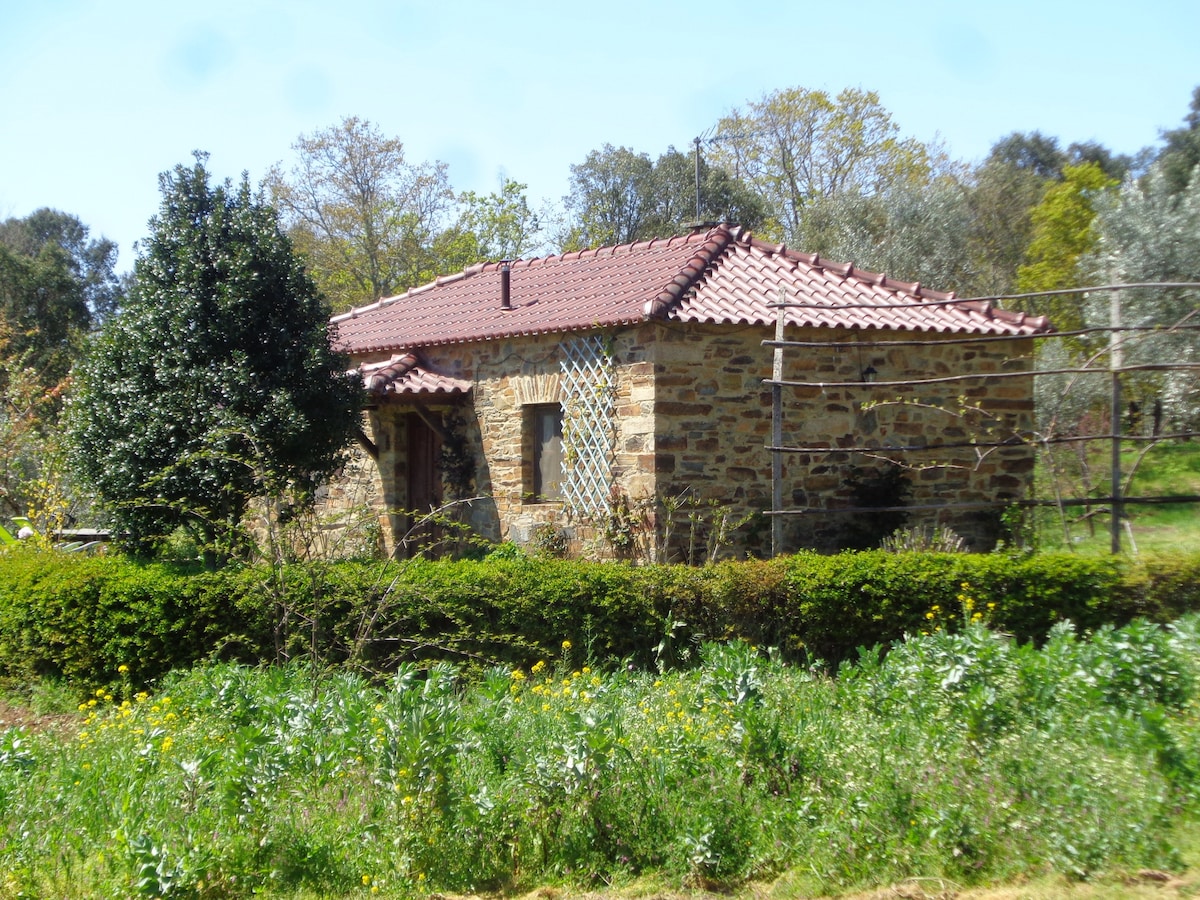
(589, 424)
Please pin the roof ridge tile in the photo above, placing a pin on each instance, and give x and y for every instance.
(717, 241)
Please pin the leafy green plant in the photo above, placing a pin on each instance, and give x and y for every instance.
(961, 755)
(924, 539)
(548, 540)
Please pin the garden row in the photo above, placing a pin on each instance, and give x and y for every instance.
(80, 618)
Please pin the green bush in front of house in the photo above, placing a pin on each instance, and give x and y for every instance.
(79, 618)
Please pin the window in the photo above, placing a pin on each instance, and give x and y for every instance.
(544, 426)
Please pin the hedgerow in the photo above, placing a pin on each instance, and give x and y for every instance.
(79, 618)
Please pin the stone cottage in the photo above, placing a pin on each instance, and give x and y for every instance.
(617, 400)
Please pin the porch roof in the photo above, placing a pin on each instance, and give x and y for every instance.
(404, 374)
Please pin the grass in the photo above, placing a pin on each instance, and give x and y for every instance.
(1168, 468)
(957, 762)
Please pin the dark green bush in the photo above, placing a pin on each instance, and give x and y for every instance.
(79, 618)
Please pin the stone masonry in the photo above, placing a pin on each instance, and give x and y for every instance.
(691, 422)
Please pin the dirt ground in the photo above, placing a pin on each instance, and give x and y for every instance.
(1143, 885)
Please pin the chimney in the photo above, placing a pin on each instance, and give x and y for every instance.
(505, 292)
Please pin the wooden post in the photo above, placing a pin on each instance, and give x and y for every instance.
(777, 429)
(1115, 359)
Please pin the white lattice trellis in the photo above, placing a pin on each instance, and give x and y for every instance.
(587, 390)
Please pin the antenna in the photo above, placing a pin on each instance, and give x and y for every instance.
(710, 137)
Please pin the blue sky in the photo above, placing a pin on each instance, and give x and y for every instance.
(97, 98)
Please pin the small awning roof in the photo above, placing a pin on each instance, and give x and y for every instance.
(403, 374)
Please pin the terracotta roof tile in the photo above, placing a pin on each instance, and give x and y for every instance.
(404, 374)
(721, 276)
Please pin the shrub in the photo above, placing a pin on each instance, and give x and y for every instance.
(79, 618)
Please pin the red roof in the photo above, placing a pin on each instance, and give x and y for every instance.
(722, 276)
(403, 374)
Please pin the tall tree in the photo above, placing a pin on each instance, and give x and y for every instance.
(618, 196)
(43, 311)
(1033, 152)
(917, 232)
(1181, 151)
(55, 283)
(1151, 233)
(796, 146)
(1003, 192)
(364, 216)
(499, 225)
(613, 198)
(217, 383)
(722, 197)
(1116, 166)
(1062, 234)
(90, 261)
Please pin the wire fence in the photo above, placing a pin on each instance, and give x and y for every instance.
(1107, 360)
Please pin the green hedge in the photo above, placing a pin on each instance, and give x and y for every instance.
(80, 618)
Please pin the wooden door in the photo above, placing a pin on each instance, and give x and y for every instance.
(424, 480)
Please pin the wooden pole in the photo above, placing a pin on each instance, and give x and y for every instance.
(1115, 356)
(777, 430)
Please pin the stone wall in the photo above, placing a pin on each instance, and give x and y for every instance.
(714, 421)
(690, 426)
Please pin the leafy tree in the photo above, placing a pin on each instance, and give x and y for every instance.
(1116, 166)
(955, 228)
(1151, 233)
(365, 217)
(918, 232)
(722, 197)
(1002, 196)
(1034, 153)
(612, 199)
(796, 146)
(1181, 153)
(618, 196)
(1062, 234)
(217, 383)
(32, 482)
(90, 262)
(55, 284)
(43, 310)
(500, 225)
